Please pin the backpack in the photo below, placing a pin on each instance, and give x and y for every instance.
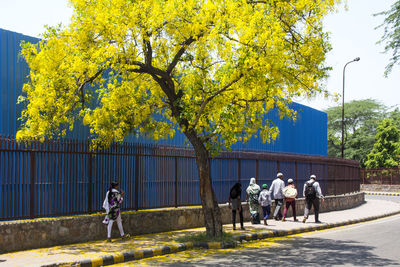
(310, 192)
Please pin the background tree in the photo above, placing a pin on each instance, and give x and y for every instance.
(386, 150)
(395, 116)
(360, 123)
(391, 36)
(211, 68)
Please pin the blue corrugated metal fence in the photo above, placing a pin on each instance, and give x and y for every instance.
(65, 177)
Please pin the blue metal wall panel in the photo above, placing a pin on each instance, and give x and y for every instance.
(288, 169)
(224, 173)
(304, 172)
(13, 73)
(321, 170)
(267, 172)
(188, 182)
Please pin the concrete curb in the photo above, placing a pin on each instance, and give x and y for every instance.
(382, 194)
(158, 251)
(145, 253)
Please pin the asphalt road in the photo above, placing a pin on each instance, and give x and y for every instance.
(374, 243)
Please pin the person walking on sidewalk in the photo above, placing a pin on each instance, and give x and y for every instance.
(312, 192)
(265, 200)
(234, 197)
(276, 191)
(290, 193)
(253, 191)
(112, 204)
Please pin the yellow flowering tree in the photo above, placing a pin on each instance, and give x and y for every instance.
(211, 69)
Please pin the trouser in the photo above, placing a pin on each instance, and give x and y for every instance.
(266, 211)
(119, 223)
(315, 204)
(240, 217)
(278, 205)
(287, 206)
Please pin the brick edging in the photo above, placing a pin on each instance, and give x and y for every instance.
(158, 251)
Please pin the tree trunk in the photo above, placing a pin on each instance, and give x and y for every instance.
(212, 213)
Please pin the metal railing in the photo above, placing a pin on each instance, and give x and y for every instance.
(56, 178)
(381, 176)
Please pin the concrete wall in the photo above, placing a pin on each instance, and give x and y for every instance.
(380, 187)
(45, 232)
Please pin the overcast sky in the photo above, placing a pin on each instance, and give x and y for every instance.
(352, 35)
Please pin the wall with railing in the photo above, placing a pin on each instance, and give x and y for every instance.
(381, 176)
(65, 177)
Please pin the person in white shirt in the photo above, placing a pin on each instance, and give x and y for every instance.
(312, 193)
(276, 191)
(290, 193)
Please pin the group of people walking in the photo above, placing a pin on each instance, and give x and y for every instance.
(255, 196)
(281, 194)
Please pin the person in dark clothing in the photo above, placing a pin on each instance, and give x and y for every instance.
(234, 198)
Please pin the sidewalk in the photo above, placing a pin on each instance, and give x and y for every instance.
(102, 253)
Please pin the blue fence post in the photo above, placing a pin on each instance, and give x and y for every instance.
(90, 184)
(239, 170)
(257, 170)
(136, 182)
(176, 182)
(32, 185)
(296, 174)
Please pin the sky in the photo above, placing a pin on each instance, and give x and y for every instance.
(352, 34)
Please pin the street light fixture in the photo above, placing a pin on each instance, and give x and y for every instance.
(344, 69)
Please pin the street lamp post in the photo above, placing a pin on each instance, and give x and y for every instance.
(344, 69)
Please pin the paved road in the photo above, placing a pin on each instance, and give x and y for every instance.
(394, 199)
(375, 243)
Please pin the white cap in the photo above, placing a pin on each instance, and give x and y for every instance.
(290, 181)
(313, 177)
(279, 175)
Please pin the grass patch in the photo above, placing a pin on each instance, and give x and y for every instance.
(202, 237)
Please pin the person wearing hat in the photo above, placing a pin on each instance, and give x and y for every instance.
(312, 192)
(276, 191)
(290, 193)
(265, 200)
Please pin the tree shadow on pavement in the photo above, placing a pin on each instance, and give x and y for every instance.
(300, 252)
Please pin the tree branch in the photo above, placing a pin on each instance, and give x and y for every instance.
(148, 51)
(91, 79)
(208, 99)
(178, 55)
